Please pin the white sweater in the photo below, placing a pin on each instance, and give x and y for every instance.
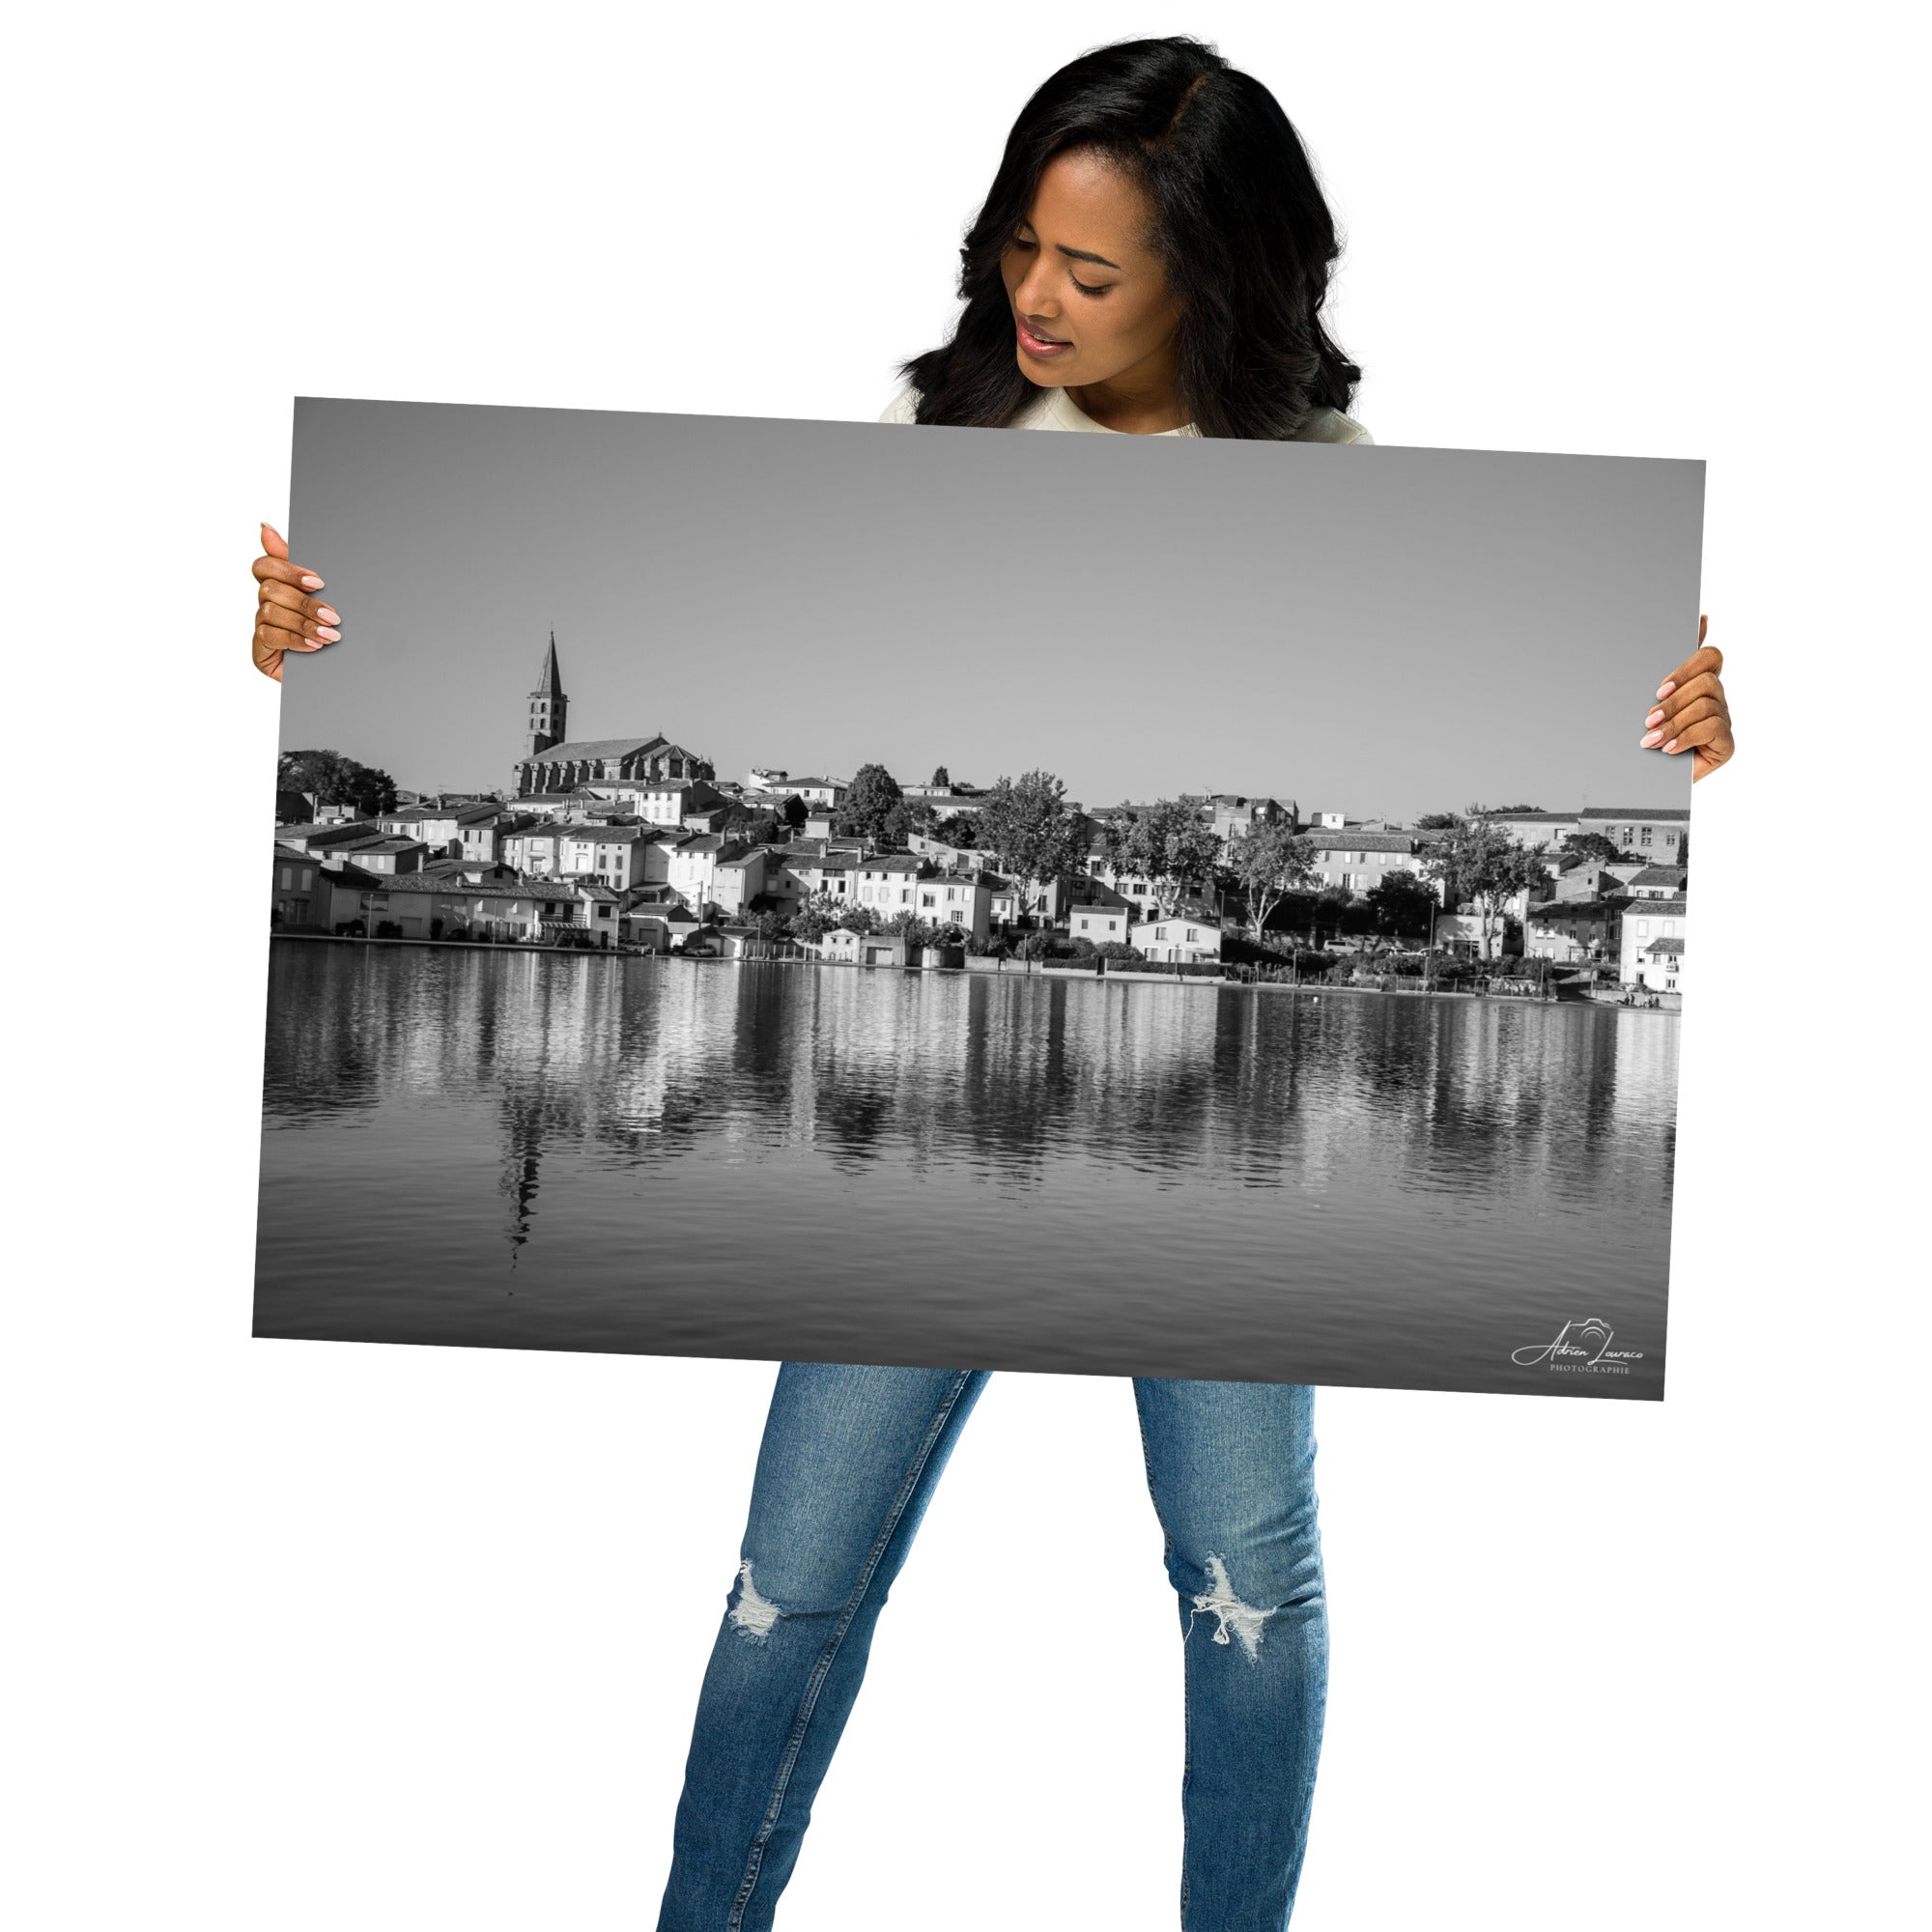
(1055, 409)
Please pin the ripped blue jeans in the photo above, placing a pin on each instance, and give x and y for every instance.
(849, 1462)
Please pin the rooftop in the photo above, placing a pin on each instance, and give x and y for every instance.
(1658, 875)
(596, 748)
(1637, 814)
(1347, 839)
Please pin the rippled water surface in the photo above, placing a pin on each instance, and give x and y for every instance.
(583, 1151)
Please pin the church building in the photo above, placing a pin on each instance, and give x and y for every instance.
(551, 762)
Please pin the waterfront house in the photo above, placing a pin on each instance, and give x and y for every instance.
(964, 900)
(1645, 921)
(839, 947)
(1658, 834)
(1100, 923)
(1660, 965)
(1181, 937)
(885, 881)
(1357, 861)
(652, 917)
(298, 904)
(1569, 932)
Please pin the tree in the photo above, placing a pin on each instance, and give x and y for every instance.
(940, 775)
(1268, 862)
(1593, 845)
(1025, 824)
(874, 796)
(335, 779)
(1166, 845)
(1436, 821)
(958, 828)
(1402, 906)
(818, 915)
(793, 812)
(1481, 866)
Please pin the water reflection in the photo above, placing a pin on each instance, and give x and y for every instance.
(650, 1128)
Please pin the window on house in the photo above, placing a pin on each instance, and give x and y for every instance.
(958, 918)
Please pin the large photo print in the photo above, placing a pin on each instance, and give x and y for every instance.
(875, 894)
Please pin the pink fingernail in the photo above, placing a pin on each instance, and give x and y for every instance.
(1653, 738)
(327, 635)
(1665, 688)
(1672, 746)
(328, 616)
(311, 582)
(1654, 718)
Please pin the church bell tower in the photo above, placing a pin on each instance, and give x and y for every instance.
(549, 708)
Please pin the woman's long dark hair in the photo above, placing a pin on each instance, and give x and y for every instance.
(1241, 226)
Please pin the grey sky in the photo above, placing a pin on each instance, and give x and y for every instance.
(1369, 629)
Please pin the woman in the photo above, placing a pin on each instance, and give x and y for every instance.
(1152, 259)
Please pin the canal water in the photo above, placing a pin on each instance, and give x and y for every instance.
(526, 1150)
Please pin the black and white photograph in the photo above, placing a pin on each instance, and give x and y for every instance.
(866, 892)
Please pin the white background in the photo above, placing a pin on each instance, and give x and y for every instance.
(315, 1636)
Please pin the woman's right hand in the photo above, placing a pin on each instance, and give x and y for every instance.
(287, 619)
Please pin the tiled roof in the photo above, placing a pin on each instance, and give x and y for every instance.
(890, 862)
(1649, 908)
(1591, 909)
(1658, 875)
(465, 888)
(1637, 814)
(1332, 841)
(595, 748)
(1666, 946)
(1531, 817)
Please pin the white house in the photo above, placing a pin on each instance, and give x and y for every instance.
(1646, 922)
(1101, 923)
(1181, 936)
(1660, 965)
(964, 900)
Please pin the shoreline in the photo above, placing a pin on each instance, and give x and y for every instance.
(1311, 988)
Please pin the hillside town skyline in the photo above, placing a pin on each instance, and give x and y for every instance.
(638, 842)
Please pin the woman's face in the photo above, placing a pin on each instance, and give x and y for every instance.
(1090, 300)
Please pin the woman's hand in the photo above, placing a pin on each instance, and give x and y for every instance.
(1691, 713)
(287, 619)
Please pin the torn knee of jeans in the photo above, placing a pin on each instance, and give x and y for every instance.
(752, 1615)
(1237, 1621)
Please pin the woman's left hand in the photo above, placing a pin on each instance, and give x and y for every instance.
(1691, 713)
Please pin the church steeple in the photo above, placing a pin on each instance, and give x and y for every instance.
(549, 708)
